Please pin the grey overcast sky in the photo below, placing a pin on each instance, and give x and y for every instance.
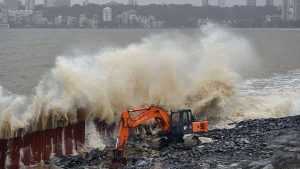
(194, 2)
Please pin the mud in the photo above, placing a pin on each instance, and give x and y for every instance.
(262, 143)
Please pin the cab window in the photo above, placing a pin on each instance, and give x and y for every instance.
(175, 118)
(185, 117)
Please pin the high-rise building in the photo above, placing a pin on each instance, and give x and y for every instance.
(85, 2)
(71, 21)
(285, 10)
(269, 2)
(57, 3)
(221, 3)
(107, 14)
(296, 10)
(4, 15)
(29, 4)
(251, 2)
(37, 18)
(132, 2)
(11, 4)
(83, 20)
(204, 2)
(290, 10)
(48, 3)
(20, 3)
(63, 3)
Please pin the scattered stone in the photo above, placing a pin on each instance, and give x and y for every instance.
(234, 165)
(206, 140)
(269, 166)
(142, 163)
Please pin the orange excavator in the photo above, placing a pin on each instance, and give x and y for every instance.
(178, 126)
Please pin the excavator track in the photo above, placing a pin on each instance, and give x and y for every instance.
(158, 143)
(191, 141)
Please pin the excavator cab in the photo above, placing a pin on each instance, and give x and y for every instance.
(181, 122)
(184, 123)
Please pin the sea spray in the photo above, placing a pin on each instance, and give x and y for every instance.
(171, 69)
(93, 137)
(12, 108)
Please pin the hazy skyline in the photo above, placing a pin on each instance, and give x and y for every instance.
(194, 2)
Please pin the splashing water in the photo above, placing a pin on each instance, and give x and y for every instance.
(93, 137)
(274, 96)
(201, 73)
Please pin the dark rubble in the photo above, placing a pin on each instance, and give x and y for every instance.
(255, 144)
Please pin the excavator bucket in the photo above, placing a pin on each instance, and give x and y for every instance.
(118, 158)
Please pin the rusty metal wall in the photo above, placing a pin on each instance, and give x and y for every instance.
(3, 148)
(41, 145)
(34, 147)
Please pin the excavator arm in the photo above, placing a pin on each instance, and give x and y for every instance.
(160, 115)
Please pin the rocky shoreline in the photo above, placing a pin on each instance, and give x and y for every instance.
(257, 144)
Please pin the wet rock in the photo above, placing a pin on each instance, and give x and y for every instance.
(295, 149)
(244, 141)
(158, 166)
(285, 160)
(142, 163)
(234, 165)
(206, 140)
(269, 166)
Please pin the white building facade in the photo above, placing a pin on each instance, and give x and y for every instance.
(49, 3)
(85, 2)
(269, 2)
(37, 18)
(204, 2)
(4, 15)
(290, 10)
(66, 3)
(57, 3)
(296, 10)
(11, 4)
(107, 14)
(29, 4)
(251, 2)
(132, 2)
(221, 3)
